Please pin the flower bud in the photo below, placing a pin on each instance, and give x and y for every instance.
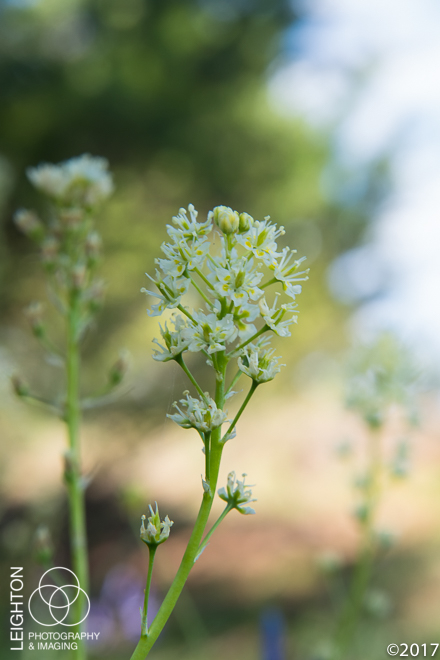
(70, 467)
(119, 369)
(20, 387)
(245, 222)
(226, 219)
(34, 314)
(29, 223)
(156, 531)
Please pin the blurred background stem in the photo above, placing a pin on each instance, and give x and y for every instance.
(351, 611)
(74, 480)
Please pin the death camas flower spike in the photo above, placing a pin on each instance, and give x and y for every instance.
(231, 262)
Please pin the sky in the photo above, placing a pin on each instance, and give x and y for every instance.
(369, 71)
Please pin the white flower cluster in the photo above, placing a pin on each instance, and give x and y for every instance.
(82, 181)
(258, 363)
(230, 282)
(200, 414)
(236, 495)
(231, 275)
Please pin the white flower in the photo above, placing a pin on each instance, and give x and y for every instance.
(236, 495)
(286, 272)
(200, 414)
(83, 181)
(174, 342)
(258, 362)
(157, 530)
(188, 228)
(260, 239)
(171, 291)
(273, 316)
(237, 281)
(244, 317)
(210, 333)
(182, 256)
(292, 290)
(48, 178)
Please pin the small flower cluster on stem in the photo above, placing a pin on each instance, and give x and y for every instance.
(70, 250)
(230, 261)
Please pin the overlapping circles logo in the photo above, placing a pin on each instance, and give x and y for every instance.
(57, 599)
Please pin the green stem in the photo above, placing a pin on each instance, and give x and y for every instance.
(202, 293)
(204, 278)
(78, 537)
(152, 550)
(179, 359)
(146, 641)
(213, 528)
(207, 444)
(350, 614)
(234, 380)
(185, 311)
(240, 412)
(272, 281)
(265, 328)
(44, 403)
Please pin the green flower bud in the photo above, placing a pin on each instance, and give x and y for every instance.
(362, 512)
(157, 531)
(245, 222)
(34, 313)
(226, 219)
(119, 369)
(20, 387)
